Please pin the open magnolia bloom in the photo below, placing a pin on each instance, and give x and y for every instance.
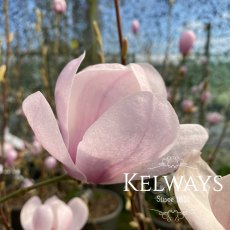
(54, 214)
(112, 119)
(205, 199)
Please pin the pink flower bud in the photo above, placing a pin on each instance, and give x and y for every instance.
(214, 118)
(187, 106)
(10, 154)
(206, 96)
(59, 6)
(36, 148)
(195, 89)
(50, 162)
(186, 42)
(135, 26)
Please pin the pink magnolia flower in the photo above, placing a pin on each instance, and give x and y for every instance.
(214, 118)
(54, 214)
(206, 207)
(112, 119)
(187, 106)
(187, 41)
(50, 162)
(135, 26)
(59, 6)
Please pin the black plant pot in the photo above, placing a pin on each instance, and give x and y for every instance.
(108, 221)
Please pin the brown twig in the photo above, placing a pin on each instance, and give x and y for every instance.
(119, 28)
(23, 191)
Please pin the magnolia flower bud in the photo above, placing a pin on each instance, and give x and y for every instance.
(206, 96)
(195, 89)
(187, 106)
(10, 154)
(50, 162)
(214, 118)
(186, 43)
(183, 70)
(59, 6)
(135, 26)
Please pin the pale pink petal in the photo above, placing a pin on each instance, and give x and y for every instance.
(220, 202)
(80, 213)
(190, 137)
(43, 218)
(27, 212)
(149, 79)
(95, 89)
(62, 94)
(63, 215)
(41, 119)
(193, 204)
(140, 128)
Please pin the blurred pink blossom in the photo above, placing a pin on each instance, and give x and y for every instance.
(59, 6)
(206, 96)
(208, 206)
(36, 147)
(195, 89)
(112, 119)
(10, 153)
(214, 118)
(53, 214)
(187, 41)
(187, 106)
(27, 183)
(50, 162)
(183, 70)
(135, 26)
(13, 140)
(203, 60)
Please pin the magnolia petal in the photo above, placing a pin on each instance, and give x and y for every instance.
(95, 89)
(138, 128)
(80, 213)
(149, 79)
(43, 218)
(41, 119)
(195, 205)
(220, 200)
(190, 137)
(63, 216)
(62, 94)
(27, 212)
